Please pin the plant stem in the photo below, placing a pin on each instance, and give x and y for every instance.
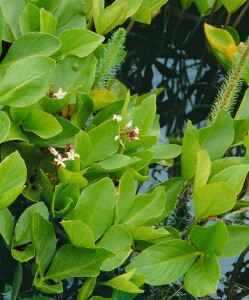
(227, 20)
(241, 15)
(130, 25)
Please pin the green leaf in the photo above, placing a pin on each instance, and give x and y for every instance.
(102, 98)
(210, 239)
(214, 198)
(24, 254)
(145, 233)
(233, 5)
(145, 208)
(26, 81)
(102, 141)
(67, 177)
(48, 22)
(126, 197)
(22, 233)
(214, 139)
(12, 183)
(6, 225)
(94, 198)
(29, 19)
(165, 152)
(133, 6)
(11, 13)
(238, 240)
(243, 110)
(203, 168)
(63, 197)
(1, 29)
(165, 262)
(4, 125)
(49, 5)
(190, 147)
(83, 109)
(79, 42)
(205, 6)
(145, 114)
(145, 158)
(41, 123)
(73, 72)
(186, 4)
(71, 261)
(79, 233)
(17, 281)
(39, 44)
(87, 289)
(110, 17)
(203, 276)
(114, 163)
(44, 241)
(118, 240)
(69, 14)
(173, 187)
(15, 133)
(123, 283)
(233, 176)
(46, 287)
(66, 136)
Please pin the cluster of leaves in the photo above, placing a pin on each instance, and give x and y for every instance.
(80, 157)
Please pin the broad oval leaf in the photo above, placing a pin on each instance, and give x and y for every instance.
(190, 147)
(102, 141)
(71, 261)
(238, 240)
(6, 225)
(118, 240)
(12, 183)
(214, 139)
(22, 233)
(213, 199)
(164, 262)
(145, 208)
(210, 239)
(99, 198)
(203, 277)
(233, 176)
(79, 42)
(44, 241)
(41, 123)
(4, 125)
(79, 233)
(38, 44)
(26, 81)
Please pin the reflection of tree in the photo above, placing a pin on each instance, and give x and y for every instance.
(238, 285)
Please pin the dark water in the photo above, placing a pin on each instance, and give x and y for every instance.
(173, 53)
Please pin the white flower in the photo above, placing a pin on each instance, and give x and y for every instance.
(136, 130)
(53, 151)
(129, 124)
(60, 160)
(116, 137)
(60, 94)
(117, 117)
(71, 154)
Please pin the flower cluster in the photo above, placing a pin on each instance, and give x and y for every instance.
(69, 154)
(131, 134)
